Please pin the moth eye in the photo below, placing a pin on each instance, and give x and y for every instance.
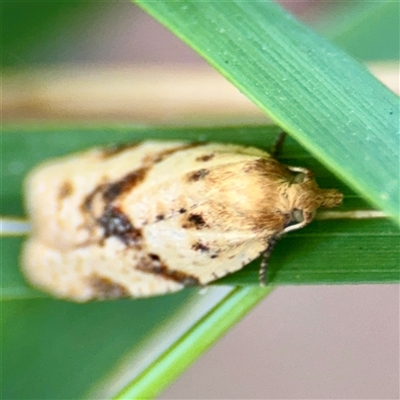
(296, 217)
(299, 177)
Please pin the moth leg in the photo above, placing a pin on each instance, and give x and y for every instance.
(278, 145)
(262, 274)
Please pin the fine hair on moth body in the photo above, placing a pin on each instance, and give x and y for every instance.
(148, 218)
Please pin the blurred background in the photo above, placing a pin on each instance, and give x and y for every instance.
(46, 33)
(111, 62)
(78, 62)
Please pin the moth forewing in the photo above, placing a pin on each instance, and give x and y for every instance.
(155, 217)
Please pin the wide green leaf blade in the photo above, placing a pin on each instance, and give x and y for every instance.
(320, 95)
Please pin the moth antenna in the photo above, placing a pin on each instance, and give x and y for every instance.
(278, 145)
(262, 274)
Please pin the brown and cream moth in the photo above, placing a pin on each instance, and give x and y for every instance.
(155, 217)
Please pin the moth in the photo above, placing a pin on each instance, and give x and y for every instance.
(154, 217)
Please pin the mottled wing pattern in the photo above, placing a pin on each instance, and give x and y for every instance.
(141, 220)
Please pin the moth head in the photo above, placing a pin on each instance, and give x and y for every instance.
(305, 197)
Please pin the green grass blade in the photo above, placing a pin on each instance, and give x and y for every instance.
(330, 251)
(202, 335)
(320, 95)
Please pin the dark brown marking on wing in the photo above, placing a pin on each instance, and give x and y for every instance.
(205, 157)
(152, 264)
(87, 204)
(194, 221)
(105, 288)
(65, 190)
(197, 175)
(110, 191)
(115, 149)
(98, 205)
(182, 210)
(198, 246)
(125, 184)
(115, 223)
(160, 217)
